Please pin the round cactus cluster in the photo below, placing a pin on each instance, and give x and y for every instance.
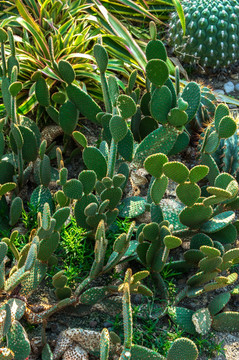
(212, 32)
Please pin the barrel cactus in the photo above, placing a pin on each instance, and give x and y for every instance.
(212, 32)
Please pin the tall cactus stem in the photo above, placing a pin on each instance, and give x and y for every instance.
(112, 158)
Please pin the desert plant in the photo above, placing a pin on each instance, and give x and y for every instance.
(211, 30)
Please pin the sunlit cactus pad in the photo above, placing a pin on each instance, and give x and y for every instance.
(212, 31)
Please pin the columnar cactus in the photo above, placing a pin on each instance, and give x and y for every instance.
(212, 32)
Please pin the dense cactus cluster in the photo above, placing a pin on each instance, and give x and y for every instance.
(212, 33)
(139, 132)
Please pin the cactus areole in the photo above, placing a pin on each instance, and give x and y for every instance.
(212, 31)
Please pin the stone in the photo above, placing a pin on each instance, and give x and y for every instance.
(229, 87)
(237, 87)
(219, 91)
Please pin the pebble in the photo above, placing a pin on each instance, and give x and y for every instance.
(107, 324)
(237, 87)
(229, 87)
(93, 324)
(220, 91)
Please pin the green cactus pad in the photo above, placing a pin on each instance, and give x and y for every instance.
(154, 164)
(80, 138)
(191, 94)
(29, 142)
(218, 192)
(45, 171)
(193, 256)
(18, 342)
(68, 117)
(157, 72)
(226, 321)
(183, 349)
(118, 128)
(172, 242)
(223, 180)
(126, 106)
(88, 180)
(151, 231)
(47, 353)
(228, 235)
(159, 141)
(59, 282)
(155, 49)
(80, 208)
(231, 255)
(91, 209)
(118, 180)
(227, 127)
(15, 210)
(200, 239)
(42, 92)
(6, 172)
(63, 293)
(6, 95)
(3, 251)
(202, 321)
(94, 160)
(218, 222)
(58, 97)
(3, 35)
(161, 104)
(107, 182)
(176, 171)
(198, 172)
(177, 117)
(196, 215)
(31, 257)
(101, 57)
(126, 146)
(219, 302)
(139, 352)
(114, 195)
(210, 264)
(132, 207)
(53, 113)
(188, 193)
(158, 189)
(146, 126)
(120, 243)
(104, 344)
(172, 217)
(48, 246)
(183, 318)
(61, 216)
(211, 143)
(16, 135)
(85, 104)
(221, 111)
(15, 88)
(210, 251)
(94, 295)
(219, 246)
(36, 275)
(201, 278)
(73, 189)
(66, 71)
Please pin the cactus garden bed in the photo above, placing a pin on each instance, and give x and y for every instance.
(119, 170)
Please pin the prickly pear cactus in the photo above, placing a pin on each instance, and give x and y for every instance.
(212, 32)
